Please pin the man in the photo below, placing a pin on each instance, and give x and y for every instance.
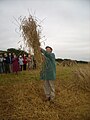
(1, 63)
(21, 62)
(24, 62)
(10, 62)
(6, 63)
(48, 73)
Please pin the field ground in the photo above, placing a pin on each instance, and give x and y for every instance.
(21, 96)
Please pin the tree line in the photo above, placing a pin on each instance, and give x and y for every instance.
(19, 51)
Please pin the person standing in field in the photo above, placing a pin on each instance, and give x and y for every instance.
(48, 73)
(29, 62)
(6, 63)
(1, 63)
(15, 64)
(10, 62)
(24, 62)
(21, 62)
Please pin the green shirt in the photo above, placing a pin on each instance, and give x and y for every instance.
(49, 68)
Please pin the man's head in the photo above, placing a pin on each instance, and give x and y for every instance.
(48, 49)
(20, 56)
(0, 55)
(9, 54)
(24, 55)
(5, 54)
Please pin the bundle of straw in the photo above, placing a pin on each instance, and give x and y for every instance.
(31, 33)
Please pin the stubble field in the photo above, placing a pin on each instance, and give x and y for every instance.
(22, 95)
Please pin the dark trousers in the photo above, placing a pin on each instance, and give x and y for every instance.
(24, 67)
(1, 67)
(7, 70)
(21, 67)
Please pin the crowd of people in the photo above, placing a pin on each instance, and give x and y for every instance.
(11, 63)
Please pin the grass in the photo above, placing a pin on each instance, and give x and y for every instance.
(21, 96)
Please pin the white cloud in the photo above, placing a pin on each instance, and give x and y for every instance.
(66, 27)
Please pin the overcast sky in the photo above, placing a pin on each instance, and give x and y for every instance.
(66, 25)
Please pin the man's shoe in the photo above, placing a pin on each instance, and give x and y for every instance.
(48, 99)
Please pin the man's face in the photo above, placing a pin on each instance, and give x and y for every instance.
(9, 54)
(5, 55)
(0, 56)
(24, 55)
(48, 50)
